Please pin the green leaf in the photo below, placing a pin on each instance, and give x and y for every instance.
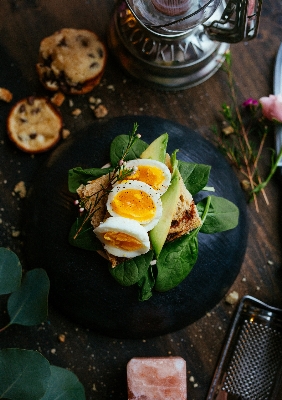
(195, 176)
(132, 270)
(63, 385)
(146, 284)
(10, 271)
(29, 304)
(79, 176)
(24, 374)
(120, 143)
(86, 238)
(222, 215)
(176, 260)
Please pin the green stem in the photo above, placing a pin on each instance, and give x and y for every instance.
(274, 166)
(5, 327)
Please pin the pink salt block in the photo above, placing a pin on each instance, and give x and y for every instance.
(160, 378)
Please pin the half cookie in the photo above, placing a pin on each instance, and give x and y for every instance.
(34, 124)
(72, 60)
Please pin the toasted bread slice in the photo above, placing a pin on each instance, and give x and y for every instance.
(95, 196)
(186, 217)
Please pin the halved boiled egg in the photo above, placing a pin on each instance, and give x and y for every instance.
(152, 172)
(137, 201)
(123, 237)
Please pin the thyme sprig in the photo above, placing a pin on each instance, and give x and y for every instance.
(89, 205)
(235, 139)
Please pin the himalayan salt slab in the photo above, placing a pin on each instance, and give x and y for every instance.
(160, 378)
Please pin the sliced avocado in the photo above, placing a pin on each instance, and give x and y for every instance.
(169, 199)
(157, 149)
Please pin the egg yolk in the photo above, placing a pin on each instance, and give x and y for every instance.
(134, 204)
(151, 175)
(122, 241)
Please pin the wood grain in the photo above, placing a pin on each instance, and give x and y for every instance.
(99, 361)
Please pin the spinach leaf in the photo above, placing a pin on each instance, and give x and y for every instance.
(195, 176)
(78, 176)
(86, 238)
(222, 214)
(176, 260)
(132, 270)
(118, 146)
(146, 284)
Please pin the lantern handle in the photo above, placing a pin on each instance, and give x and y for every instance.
(239, 21)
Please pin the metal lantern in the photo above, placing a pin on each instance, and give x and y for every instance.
(177, 44)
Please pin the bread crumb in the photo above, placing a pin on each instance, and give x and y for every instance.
(16, 234)
(71, 103)
(20, 189)
(192, 379)
(58, 99)
(53, 351)
(228, 130)
(76, 112)
(5, 95)
(65, 133)
(232, 298)
(95, 100)
(245, 184)
(101, 111)
(62, 338)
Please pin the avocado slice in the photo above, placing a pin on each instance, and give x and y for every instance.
(169, 199)
(157, 149)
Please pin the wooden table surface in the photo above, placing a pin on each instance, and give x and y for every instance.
(98, 361)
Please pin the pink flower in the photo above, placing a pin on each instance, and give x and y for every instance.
(250, 103)
(272, 107)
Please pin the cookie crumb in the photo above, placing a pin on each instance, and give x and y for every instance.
(20, 189)
(65, 133)
(101, 111)
(5, 95)
(62, 338)
(232, 298)
(58, 99)
(76, 112)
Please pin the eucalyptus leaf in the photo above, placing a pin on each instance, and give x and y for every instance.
(24, 374)
(86, 238)
(10, 271)
(222, 215)
(132, 270)
(29, 304)
(63, 385)
(118, 146)
(195, 176)
(79, 176)
(176, 260)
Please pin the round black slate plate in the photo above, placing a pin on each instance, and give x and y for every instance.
(81, 285)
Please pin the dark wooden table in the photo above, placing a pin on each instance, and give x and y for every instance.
(98, 361)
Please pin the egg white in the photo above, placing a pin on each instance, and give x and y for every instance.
(129, 209)
(157, 173)
(126, 226)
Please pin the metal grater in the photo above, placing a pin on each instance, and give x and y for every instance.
(250, 366)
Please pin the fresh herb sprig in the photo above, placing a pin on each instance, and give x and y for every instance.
(235, 139)
(91, 204)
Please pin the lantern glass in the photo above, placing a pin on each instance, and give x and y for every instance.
(168, 17)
